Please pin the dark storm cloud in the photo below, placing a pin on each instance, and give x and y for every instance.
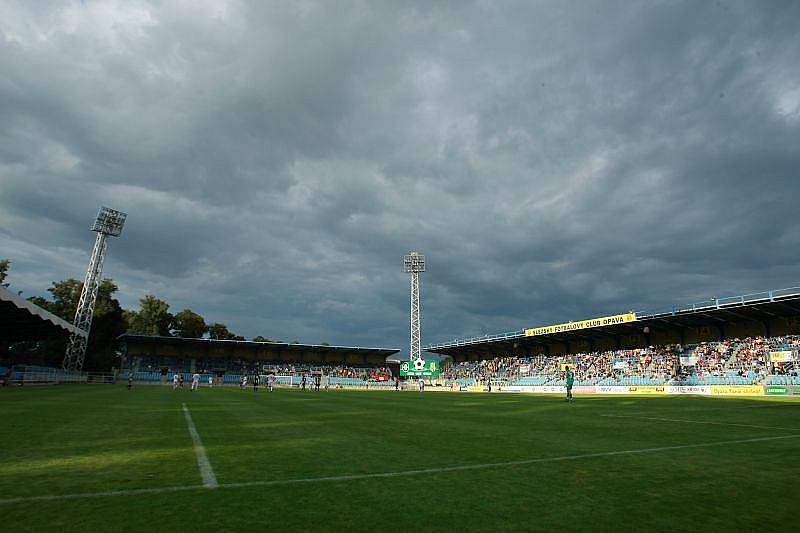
(553, 161)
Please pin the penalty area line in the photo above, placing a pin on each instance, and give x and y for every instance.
(206, 472)
(379, 475)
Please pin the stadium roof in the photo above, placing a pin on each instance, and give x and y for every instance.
(281, 350)
(20, 320)
(759, 307)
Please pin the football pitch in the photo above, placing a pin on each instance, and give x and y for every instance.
(102, 458)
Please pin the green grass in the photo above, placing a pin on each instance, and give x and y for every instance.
(84, 439)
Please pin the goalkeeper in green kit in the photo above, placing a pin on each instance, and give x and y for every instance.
(569, 379)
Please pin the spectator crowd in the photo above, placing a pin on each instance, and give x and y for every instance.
(737, 360)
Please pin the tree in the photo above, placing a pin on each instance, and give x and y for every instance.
(108, 323)
(153, 317)
(220, 331)
(4, 265)
(66, 294)
(130, 317)
(259, 338)
(188, 324)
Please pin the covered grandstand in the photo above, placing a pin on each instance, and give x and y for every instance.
(748, 344)
(220, 350)
(155, 358)
(20, 320)
(768, 314)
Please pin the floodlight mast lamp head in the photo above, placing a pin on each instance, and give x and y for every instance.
(413, 262)
(109, 222)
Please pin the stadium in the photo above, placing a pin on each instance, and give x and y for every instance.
(693, 400)
(361, 266)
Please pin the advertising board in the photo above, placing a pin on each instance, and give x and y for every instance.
(688, 389)
(647, 389)
(611, 389)
(737, 390)
(549, 389)
(420, 367)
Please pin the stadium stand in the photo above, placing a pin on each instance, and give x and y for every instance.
(157, 359)
(287, 374)
(766, 314)
(730, 362)
(21, 320)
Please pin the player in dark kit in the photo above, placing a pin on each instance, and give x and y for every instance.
(317, 380)
(569, 379)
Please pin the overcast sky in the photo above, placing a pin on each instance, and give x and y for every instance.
(553, 160)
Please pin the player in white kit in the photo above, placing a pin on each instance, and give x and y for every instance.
(270, 381)
(210, 381)
(175, 380)
(195, 381)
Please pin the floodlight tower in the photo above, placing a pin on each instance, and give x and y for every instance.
(414, 263)
(108, 223)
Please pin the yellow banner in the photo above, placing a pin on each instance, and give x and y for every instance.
(582, 324)
(647, 389)
(737, 390)
(784, 356)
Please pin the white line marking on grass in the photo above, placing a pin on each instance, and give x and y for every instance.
(209, 479)
(123, 492)
(403, 473)
(485, 466)
(701, 422)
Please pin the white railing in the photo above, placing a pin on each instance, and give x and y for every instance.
(40, 375)
(31, 375)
